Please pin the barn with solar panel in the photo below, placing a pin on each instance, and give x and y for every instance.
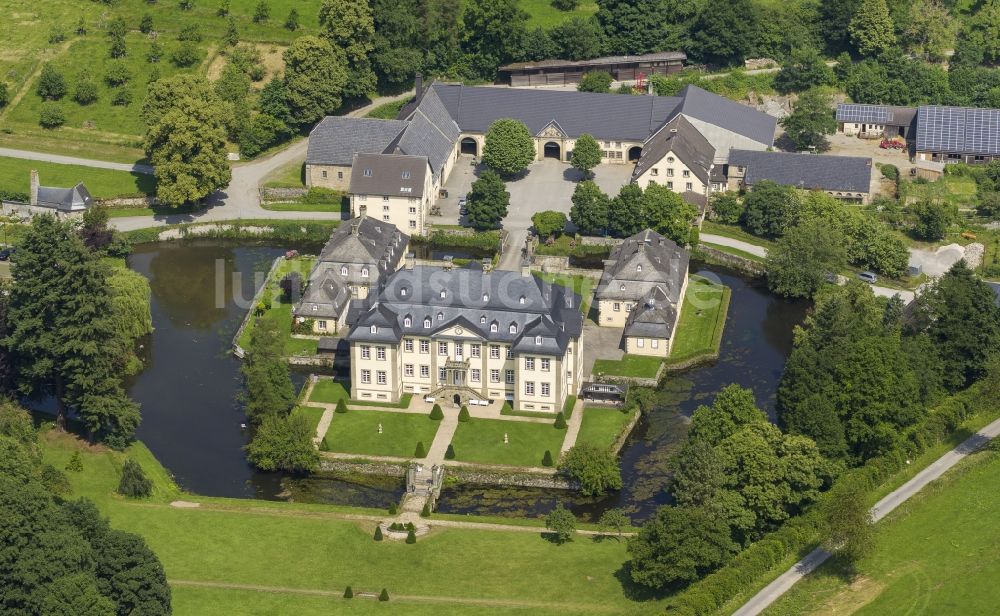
(958, 134)
(876, 121)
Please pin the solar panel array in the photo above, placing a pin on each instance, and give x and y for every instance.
(869, 114)
(958, 130)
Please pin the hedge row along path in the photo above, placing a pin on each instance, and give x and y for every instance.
(817, 557)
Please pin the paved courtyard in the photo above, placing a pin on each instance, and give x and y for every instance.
(600, 343)
(546, 185)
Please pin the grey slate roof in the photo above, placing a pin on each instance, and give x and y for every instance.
(65, 199)
(359, 245)
(605, 116)
(654, 317)
(685, 141)
(805, 171)
(431, 133)
(336, 139)
(641, 263)
(394, 175)
(958, 130)
(549, 312)
(605, 60)
(728, 114)
(326, 295)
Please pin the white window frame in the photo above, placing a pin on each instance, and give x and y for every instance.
(529, 363)
(366, 376)
(380, 353)
(366, 351)
(509, 377)
(408, 370)
(425, 371)
(546, 364)
(476, 375)
(546, 390)
(529, 388)
(380, 377)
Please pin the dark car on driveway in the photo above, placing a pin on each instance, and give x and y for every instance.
(6, 253)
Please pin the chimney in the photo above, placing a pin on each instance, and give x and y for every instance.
(487, 265)
(410, 258)
(362, 210)
(355, 226)
(418, 86)
(34, 188)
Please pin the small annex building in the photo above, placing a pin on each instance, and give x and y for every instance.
(353, 264)
(844, 177)
(568, 72)
(642, 290)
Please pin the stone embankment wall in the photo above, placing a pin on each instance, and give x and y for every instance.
(492, 476)
(383, 469)
(749, 266)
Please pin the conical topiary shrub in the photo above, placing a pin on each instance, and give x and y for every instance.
(426, 511)
(341, 406)
(436, 413)
(560, 421)
(547, 458)
(449, 454)
(384, 595)
(392, 509)
(378, 533)
(411, 536)
(420, 451)
(348, 593)
(463, 415)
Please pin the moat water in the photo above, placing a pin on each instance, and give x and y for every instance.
(192, 414)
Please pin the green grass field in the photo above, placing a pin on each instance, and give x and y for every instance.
(734, 232)
(289, 558)
(703, 319)
(936, 554)
(291, 175)
(103, 130)
(357, 432)
(481, 440)
(602, 425)
(642, 366)
(542, 13)
(328, 391)
(282, 310)
(15, 175)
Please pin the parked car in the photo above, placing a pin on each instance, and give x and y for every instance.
(6, 253)
(463, 203)
(868, 277)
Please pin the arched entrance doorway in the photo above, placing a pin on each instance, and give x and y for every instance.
(634, 153)
(457, 399)
(469, 146)
(552, 150)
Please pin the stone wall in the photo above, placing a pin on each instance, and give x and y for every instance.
(624, 434)
(587, 240)
(275, 195)
(737, 262)
(491, 476)
(383, 469)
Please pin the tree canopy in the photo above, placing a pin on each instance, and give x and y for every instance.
(488, 202)
(590, 208)
(812, 118)
(801, 260)
(509, 147)
(315, 78)
(586, 154)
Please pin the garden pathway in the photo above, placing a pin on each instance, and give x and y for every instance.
(773, 591)
(573, 426)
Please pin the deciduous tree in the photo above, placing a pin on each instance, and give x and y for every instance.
(595, 81)
(595, 468)
(871, 28)
(284, 442)
(590, 208)
(269, 389)
(800, 261)
(488, 202)
(562, 523)
(509, 147)
(625, 214)
(768, 209)
(315, 79)
(678, 546)
(548, 223)
(586, 154)
(811, 120)
(666, 212)
(804, 69)
(349, 26)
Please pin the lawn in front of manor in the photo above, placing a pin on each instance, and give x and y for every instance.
(281, 310)
(602, 425)
(640, 366)
(298, 549)
(481, 440)
(356, 432)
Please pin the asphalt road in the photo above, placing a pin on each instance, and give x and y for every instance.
(73, 160)
(814, 559)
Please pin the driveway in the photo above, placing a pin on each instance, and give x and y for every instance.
(936, 263)
(546, 185)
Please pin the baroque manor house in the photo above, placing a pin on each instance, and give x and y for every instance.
(468, 334)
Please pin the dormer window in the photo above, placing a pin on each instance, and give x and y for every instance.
(427, 322)
(482, 320)
(364, 272)
(407, 321)
(406, 175)
(374, 329)
(521, 300)
(486, 297)
(343, 270)
(403, 291)
(638, 268)
(443, 294)
(368, 173)
(513, 328)
(440, 316)
(622, 287)
(493, 327)
(538, 339)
